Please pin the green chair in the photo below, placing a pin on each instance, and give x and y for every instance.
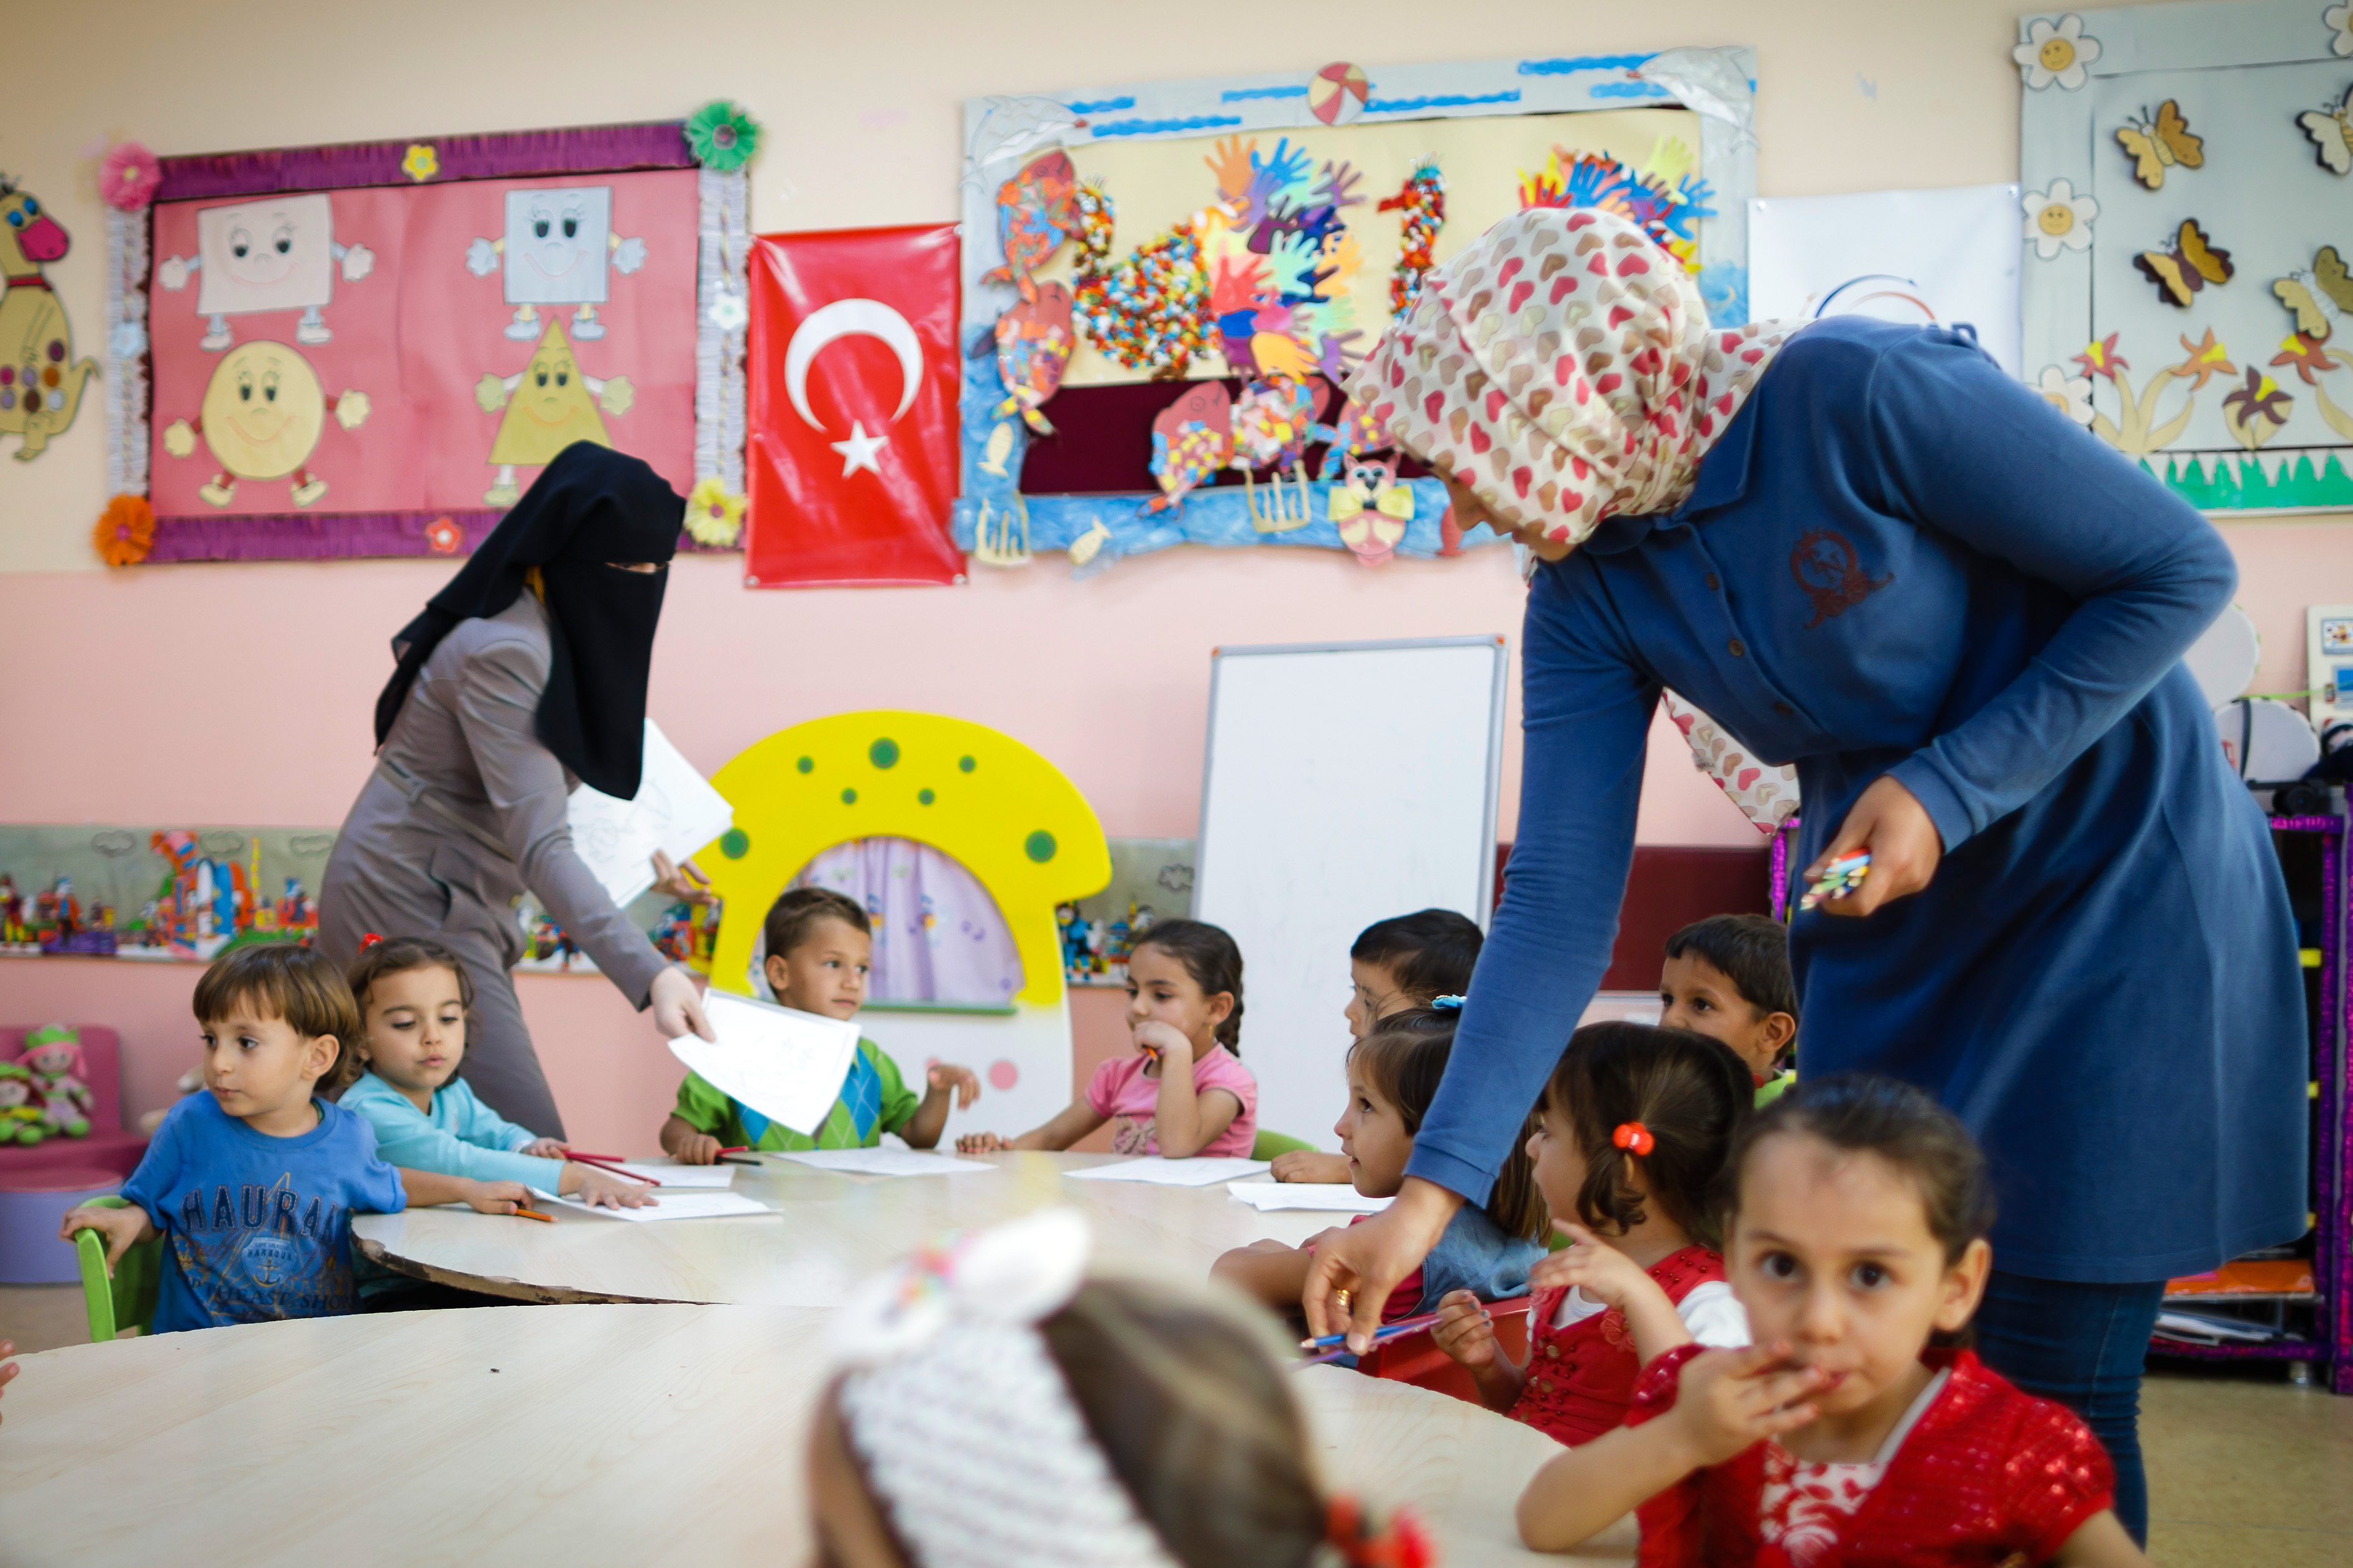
(125, 1303)
(1270, 1144)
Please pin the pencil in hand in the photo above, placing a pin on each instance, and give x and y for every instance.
(522, 1213)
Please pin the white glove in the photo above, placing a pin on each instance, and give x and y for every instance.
(482, 258)
(358, 262)
(173, 273)
(628, 256)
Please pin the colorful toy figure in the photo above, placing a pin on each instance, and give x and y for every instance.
(1371, 510)
(551, 407)
(40, 384)
(52, 1055)
(1034, 340)
(1192, 438)
(275, 254)
(559, 249)
(1036, 211)
(56, 910)
(205, 902)
(20, 1118)
(263, 414)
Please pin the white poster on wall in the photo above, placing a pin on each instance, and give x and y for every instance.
(1947, 257)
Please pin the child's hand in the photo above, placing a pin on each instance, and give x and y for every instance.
(1730, 1399)
(122, 1227)
(1607, 1275)
(497, 1197)
(981, 1144)
(697, 1149)
(546, 1148)
(1465, 1330)
(1309, 1165)
(599, 1190)
(8, 1369)
(1163, 1040)
(942, 1076)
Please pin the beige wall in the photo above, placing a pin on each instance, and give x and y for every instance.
(240, 693)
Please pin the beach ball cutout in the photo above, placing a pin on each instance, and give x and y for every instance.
(1337, 94)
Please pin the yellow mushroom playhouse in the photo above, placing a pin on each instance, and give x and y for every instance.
(998, 809)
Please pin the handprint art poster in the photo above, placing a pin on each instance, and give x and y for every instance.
(383, 369)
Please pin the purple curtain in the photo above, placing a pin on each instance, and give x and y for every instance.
(938, 936)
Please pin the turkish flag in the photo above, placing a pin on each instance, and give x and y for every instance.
(851, 459)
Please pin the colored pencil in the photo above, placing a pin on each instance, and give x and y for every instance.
(739, 1160)
(612, 1167)
(739, 1149)
(1387, 1330)
(534, 1213)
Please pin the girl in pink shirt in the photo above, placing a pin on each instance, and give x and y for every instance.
(1184, 1004)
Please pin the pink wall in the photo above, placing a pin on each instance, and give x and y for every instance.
(1107, 677)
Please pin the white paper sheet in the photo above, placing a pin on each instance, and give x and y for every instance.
(886, 1162)
(1196, 1171)
(675, 1178)
(676, 811)
(787, 1065)
(676, 1205)
(1322, 1197)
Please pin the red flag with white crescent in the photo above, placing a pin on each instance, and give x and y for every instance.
(851, 459)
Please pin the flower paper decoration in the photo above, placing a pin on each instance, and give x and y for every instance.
(2307, 355)
(712, 516)
(2257, 411)
(125, 532)
(723, 137)
(2339, 16)
(420, 163)
(2102, 359)
(2207, 358)
(2058, 219)
(2070, 395)
(728, 314)
(2055, 54)
(444, 537)
(128, 176)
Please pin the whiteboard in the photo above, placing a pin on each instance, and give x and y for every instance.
(1345, 782)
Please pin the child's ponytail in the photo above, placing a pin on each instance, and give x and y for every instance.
(1667, 1100)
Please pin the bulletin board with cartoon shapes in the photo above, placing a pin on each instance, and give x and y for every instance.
(2188, 190)
(375, 350)
(1166, 286)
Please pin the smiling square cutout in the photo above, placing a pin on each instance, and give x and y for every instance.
(273, 255)
(558, 244)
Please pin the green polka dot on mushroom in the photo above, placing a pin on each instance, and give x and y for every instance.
(1040, 847)
(806, 765)
(850, 797)
(924, 798)
(735, 844)
(966, 763)
(883, 753)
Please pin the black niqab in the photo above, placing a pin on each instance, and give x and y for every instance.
(592, 506)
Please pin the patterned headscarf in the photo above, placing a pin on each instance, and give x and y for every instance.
(1564, 369)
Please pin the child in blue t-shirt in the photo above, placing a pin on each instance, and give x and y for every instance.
(253, 1185)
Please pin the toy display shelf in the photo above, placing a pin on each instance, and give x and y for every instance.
(2329, 1345)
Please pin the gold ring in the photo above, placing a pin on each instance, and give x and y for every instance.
(1341, 1299)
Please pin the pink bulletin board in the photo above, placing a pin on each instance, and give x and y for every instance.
(381, 368)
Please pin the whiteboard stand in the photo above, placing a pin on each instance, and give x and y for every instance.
(1341, 783)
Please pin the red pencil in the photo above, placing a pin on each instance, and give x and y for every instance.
(606, 1162)
(739, 1149)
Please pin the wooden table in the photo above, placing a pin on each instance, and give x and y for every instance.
(831, 1230)
(573, 1436)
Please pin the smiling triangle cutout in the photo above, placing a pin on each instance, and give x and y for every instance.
(549, 406)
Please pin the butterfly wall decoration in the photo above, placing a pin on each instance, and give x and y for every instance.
(2194, 262)
(2331, 130)
(2319, 296)
(2160, 142)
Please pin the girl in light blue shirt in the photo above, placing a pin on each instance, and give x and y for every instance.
(414, 995)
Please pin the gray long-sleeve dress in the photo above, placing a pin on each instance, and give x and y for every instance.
(464, 812)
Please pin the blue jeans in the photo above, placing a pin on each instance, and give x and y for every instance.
(2084, 1346)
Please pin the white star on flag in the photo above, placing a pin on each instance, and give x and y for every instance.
(859, 451)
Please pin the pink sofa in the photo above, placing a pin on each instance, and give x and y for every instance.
(109, 1147)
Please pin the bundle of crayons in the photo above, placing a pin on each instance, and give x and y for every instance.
(1840, 877)
(1385, 1332)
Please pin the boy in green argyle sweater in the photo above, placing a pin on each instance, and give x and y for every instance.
(819, 947)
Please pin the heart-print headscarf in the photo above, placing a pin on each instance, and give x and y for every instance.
(1564, 369)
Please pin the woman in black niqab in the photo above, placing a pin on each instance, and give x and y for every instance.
(525, 674)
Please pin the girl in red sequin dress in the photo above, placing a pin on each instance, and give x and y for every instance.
(1630, 1138)
(1853, 1432)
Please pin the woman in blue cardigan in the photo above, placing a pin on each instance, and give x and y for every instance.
(1863, 549)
